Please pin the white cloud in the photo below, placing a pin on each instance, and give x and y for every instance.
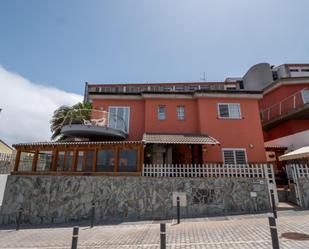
(28, 108)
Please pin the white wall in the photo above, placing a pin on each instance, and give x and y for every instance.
(3, 179)
(293, 142)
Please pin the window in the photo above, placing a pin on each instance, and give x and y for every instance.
(25, 161)
(167, 88)
(44, 161)
(179, 88)
(60, 160)
(234, 156)
(69, 161)
(207, 87)
(231, 111)
(127, 160)
(293, 70)
(118, 118)
(161, 112)
(84, 161)
(180, 112)
(105, 161)
(193, 88)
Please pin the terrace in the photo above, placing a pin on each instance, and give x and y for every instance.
(163, 87)
(101, 125)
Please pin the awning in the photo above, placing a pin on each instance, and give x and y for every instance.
(154, 138)
(296, 154)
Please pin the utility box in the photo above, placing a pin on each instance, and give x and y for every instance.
(182, 199)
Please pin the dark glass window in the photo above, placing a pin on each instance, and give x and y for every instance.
(88, 161)
(84, 161)
(44, 161)
(80, 158)
(69, 161)
(105, 161)
(60, 161)
(294, 70)
(127, 160)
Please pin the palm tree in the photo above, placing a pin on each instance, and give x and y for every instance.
(64, 115)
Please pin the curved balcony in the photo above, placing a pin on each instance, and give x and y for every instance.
(95, 124)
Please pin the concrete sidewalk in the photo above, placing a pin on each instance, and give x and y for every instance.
(245, 231)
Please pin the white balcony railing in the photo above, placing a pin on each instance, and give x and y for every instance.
(208, 170)
(286, 105)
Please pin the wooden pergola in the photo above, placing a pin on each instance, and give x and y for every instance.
(79, 158)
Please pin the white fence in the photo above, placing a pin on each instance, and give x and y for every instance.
(260, 171)
(6, 161)
(5, 157)
(294, 173)
(208, 170)
(297, 170)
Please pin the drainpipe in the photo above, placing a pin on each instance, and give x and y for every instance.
(192, 154)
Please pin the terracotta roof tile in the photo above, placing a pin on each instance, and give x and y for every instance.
(178, 139)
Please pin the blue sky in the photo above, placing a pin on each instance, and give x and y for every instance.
(63, 43)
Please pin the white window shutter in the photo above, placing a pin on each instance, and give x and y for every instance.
(228, 156)
(234, 110)
(240, 156)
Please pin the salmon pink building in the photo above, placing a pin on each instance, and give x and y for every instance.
(142, 149)
(132, 125)
(186, 122)
(213, 145)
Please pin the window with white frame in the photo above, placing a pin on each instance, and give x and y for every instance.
(229, 110)
(119, 117)
(180, 113)
(161, 112)
(234, 156)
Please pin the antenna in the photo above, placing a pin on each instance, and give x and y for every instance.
(204, 77)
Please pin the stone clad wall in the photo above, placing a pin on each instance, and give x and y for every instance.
(54, 199)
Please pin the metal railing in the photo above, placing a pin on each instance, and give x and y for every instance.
(286, 105)
(208, 170)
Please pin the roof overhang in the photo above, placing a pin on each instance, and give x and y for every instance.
(285, 81)
(156, 138)
(239, 94)
(296, 154)
(75, 144)
(234, 94)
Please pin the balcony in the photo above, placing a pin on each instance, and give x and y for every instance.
(101, 125)
(295, 106)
